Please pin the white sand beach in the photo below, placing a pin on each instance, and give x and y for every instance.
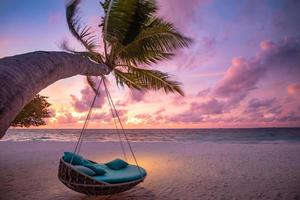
(28, 170)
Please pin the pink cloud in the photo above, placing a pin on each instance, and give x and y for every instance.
(213, 106)
(187, 19)
(66, 118)
(136, 96)
(280, 59)
(267, 45)
(185, 117)
(259, 108)
(182, 13)
(100, 117)
(239, 79)
(133, 96)
(87, 95)
(52, 112)
(242, 77)
(294, 89)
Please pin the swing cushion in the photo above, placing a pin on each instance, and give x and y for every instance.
(77, 159)
(96, 168)
(127, 174)
(116, 164)
(84, 170)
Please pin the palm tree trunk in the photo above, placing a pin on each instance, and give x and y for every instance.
(23, 76)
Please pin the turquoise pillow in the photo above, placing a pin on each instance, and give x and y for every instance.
(97, 169)
(116, 164)
(84, 170)
(86, 162)
(77, 159)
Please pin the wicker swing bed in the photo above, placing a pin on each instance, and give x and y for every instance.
(81, 182)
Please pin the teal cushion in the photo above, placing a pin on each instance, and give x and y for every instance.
(127, 174)
(87, 162)
(77, 159)
(84, 170)
(116, 164)
(97, 169)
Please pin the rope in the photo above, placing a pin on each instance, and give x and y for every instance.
(127, 140)
(78, 145)
(112, 108)
(117, 130)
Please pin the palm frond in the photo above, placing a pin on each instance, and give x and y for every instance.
(144, 79)
(125, 18)
(123, 78)
(156, 42)
(82, 33)
(96, 57)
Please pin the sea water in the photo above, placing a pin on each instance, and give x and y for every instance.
(245, 135)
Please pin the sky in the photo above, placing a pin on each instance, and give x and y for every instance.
(242, 70)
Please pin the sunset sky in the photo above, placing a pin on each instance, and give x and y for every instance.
(243, 69)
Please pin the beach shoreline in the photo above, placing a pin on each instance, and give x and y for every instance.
(207, 170)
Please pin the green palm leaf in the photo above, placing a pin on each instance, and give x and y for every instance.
(125, 19)
(82, 33)
(94, 56)
(144, 79)
(133, 36)
(155, 42)
(123, 78)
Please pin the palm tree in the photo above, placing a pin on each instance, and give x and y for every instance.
(23, 76)
(133, 38)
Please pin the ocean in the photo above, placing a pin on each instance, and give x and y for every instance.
(239, 135)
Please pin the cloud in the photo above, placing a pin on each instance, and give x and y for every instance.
(276, 59)
(66, 118)
(185, 117)
(136, 96)
(132, 96)
(203, 93)
(188, 21)
(52, 112)
(100, 117)
(187, 12)
(259, 109)
(83, 103)
(213, 106)
(290, 117)
(294, 89)
(241, 77)
(199, 111)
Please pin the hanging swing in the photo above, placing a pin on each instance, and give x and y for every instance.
(91, 178)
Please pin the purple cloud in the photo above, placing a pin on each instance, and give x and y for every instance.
(87, 95)
(243, 76)
(276, 59)
(187, 12)
(185, 117)
(213, 106)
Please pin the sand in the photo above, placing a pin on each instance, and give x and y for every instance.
(220, 171)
